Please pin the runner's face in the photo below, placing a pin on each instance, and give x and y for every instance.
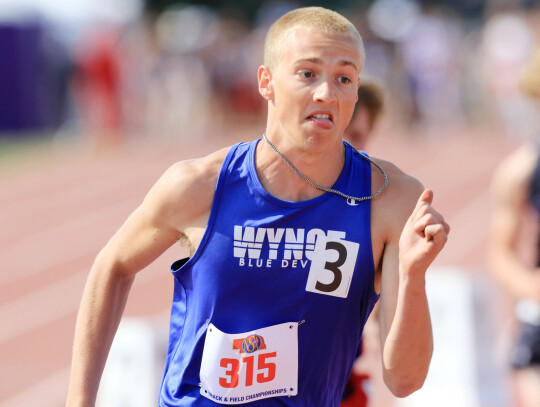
(315, 85)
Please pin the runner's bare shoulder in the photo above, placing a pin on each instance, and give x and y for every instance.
(391, 209)
(512, 177)
(402, 192)
(184, 193)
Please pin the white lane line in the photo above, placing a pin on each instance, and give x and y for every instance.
(77, 196)
(57, 300)
(50, 392)
(63, 243)
(41, 307)
(55, 386)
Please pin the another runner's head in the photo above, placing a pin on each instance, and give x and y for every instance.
(315, 19)
(367, 112)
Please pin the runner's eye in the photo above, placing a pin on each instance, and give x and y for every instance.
(344, 80)
(306, 74)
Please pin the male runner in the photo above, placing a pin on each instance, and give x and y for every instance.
(292, 238)
(366, 115)
(516, 191)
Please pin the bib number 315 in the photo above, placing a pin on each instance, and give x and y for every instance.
(332, 267)
(266, 370)
(244, 367)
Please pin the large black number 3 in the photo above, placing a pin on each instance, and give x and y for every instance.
(333, 267)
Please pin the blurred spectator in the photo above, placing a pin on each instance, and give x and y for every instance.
(516, 189)
(507, 44)
(233, 65)
(431, 54)
(138, 55)
(97, 86)
(383, 27)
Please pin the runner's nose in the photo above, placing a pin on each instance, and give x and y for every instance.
(324, 92)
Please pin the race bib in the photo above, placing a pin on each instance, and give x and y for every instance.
(240, 368)
(332, 266)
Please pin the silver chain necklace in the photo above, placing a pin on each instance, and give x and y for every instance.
(334, 191)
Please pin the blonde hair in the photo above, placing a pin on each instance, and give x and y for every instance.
(310, 18)
(529, 82)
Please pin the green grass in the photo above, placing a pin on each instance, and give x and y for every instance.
(18, 150)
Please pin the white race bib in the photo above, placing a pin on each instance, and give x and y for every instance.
(332, 266)
(239, 368)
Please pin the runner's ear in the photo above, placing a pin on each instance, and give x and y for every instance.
(265, 83)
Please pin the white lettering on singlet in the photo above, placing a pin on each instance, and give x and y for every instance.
(293, 243)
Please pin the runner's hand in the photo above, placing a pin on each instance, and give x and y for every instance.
(423, 236)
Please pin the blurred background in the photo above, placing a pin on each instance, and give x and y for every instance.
(99, 97)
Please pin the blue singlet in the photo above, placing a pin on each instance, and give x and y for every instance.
(250, 271)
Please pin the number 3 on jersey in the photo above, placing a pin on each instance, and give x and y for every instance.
(332, 267)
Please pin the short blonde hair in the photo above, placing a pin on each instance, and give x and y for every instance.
(310, 18)
(529, 82)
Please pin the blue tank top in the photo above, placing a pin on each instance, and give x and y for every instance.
(250, 271)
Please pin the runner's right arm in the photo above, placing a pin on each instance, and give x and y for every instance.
(178, 202)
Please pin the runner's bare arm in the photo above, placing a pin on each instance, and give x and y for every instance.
(415, 235)
(180, 200)
(510, 190)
